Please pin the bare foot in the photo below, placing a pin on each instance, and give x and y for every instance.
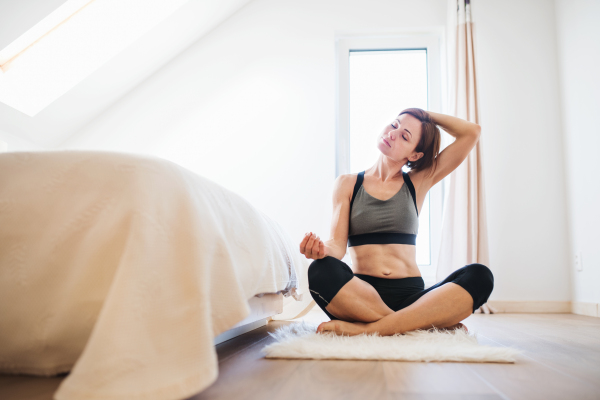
(342, 327)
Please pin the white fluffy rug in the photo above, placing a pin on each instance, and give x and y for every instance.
(300, 340)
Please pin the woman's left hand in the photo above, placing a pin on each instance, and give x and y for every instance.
(343, 327)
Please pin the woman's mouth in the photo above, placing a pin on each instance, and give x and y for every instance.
(386, 142)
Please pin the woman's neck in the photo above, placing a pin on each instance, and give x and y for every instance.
(386, 170)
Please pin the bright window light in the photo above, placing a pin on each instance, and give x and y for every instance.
(71, 43)
(382, 84)
(57, 17)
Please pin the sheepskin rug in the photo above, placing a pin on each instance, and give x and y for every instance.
(300, 340)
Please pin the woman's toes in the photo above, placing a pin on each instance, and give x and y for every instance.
(457, 326)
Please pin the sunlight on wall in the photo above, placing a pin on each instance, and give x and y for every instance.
(229, 139)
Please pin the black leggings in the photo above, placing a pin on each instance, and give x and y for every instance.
(328, 275)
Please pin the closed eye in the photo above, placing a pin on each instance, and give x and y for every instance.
(403, 137)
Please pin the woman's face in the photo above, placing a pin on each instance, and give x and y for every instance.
(400, 137)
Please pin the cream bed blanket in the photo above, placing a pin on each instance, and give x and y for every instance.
(123, 268)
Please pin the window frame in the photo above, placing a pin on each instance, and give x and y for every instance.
(432, 42)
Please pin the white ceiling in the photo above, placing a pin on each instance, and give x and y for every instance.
(111, 81)
(17, 16)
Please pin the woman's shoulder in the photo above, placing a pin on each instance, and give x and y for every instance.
(345, 183)
(421, 180)
(350, 177)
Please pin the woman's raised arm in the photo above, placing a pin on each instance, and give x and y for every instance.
(466, 134)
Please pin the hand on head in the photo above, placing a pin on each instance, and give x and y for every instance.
(313, 247)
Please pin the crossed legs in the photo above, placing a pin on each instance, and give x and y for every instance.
(442, 307)
(356, 307)
(357, 301)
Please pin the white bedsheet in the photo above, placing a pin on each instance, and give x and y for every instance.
(123, 268)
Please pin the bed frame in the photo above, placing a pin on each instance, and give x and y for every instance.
(261, 310)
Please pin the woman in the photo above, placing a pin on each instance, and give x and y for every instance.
(376, 213)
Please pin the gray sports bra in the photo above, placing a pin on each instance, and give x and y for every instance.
(374, 221)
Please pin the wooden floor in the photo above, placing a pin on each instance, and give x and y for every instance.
(560, 360)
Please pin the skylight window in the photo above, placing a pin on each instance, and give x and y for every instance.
(71, 43)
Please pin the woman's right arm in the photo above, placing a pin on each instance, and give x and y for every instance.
(315, 248)
(341, 216)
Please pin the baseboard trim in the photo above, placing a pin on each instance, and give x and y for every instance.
(589, 309)
(560, 307)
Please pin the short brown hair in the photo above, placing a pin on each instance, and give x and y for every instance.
(429, 144)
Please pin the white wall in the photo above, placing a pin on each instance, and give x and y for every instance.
(267, 74)
(522, 148)
(19, 143)
(578, 35)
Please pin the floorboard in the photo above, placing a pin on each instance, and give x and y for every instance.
(560, 360)
(548, 342)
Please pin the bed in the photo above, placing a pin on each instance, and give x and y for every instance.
(126, 270)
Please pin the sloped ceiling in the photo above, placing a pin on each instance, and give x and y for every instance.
(66, 115)
(16, 17)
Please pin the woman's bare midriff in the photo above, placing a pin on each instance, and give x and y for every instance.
(392, 261)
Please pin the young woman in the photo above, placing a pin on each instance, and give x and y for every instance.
(376, 213)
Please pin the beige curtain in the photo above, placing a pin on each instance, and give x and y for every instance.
(464, 228)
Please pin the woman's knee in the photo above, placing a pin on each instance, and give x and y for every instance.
(481, 275)
(317, 269)
(327, 276)
(324, 268)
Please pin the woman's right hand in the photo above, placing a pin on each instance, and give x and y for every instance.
(313, 247)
